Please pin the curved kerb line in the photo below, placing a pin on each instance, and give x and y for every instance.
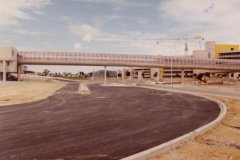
(156, 151)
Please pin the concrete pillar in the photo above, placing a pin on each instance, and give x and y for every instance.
(160, 76)
(131, 74)
(160, 73)
(139, 75)
(123, 74)
(19, 72)
(182, 76)
(105, 74)
(4, 71)
(93, 75)
(228, 75)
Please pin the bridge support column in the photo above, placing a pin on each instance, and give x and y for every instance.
(160, 76)
(140, 75)
(19, 72)
(92, 75)
(227, 75)
(182, 76)
(4, 71)
(123, 74)
(105, 74)
(131, 74)
(117, 76)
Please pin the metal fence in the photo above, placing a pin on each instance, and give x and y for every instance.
(137, 60)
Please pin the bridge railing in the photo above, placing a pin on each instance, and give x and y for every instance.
(85, 57)
(190, 61)
(82, 58)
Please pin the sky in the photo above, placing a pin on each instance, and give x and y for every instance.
(117, 26)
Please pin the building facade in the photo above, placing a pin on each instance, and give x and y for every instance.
(219, 51)
(8, 62)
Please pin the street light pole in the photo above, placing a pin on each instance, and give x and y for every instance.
(171, 73)
(174, 47)
(105, 74)
(93, 75)
(175, 50)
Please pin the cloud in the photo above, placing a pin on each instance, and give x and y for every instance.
(85, 31)
(39, 13)
(128, 41)
(133, 41)
(14, 11)
(142, 21)
(104, 1)
(104, 18)
(77, 46)
(119, 4)
(216, 20)
(27, 32)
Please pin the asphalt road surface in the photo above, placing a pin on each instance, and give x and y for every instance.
(111, 123)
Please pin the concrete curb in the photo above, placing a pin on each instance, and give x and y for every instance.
(83, 89)
(173, 89)
(155, 151)
(117, 85)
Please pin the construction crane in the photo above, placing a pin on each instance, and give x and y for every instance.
(186, 39)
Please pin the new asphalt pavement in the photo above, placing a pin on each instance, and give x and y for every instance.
(110, 123)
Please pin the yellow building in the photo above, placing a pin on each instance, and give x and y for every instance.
(221, 48)
(219, 51)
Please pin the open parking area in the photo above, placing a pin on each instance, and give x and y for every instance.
(110, 123)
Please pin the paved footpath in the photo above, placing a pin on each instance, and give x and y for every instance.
(193, 90)
(110, 123)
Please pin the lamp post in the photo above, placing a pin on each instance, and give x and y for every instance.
(93, 75)
(171, 64)
(105, 74)
(171, 73)
(175, 51)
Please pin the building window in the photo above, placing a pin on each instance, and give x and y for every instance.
(232, 49)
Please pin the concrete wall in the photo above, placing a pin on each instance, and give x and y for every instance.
(200, 54)
(155, 71)
(9, 55)
(141, 70)
(162, 73)
(210, 49)
(177, 72)
(236, 75)
(208, 52)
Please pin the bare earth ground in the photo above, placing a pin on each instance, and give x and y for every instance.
(220, 143)
(23, 92)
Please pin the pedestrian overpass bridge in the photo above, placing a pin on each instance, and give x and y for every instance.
(11, 60)
(124, 60)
